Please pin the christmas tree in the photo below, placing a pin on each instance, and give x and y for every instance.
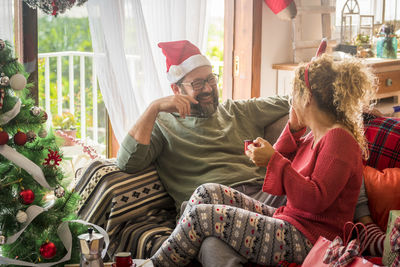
(33, 198)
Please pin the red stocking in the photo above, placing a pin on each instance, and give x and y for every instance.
(284, 9)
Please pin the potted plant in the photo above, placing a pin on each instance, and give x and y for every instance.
(65, 127)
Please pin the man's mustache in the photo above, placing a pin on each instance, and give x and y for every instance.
(203, 95)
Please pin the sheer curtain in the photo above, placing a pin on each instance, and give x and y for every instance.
(175, 20)
(7, 20)
(129, 65)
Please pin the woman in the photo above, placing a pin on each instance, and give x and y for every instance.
(320, 174)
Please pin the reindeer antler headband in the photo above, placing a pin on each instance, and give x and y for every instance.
(320, 51)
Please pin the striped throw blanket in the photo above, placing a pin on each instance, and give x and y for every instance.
(134, 209)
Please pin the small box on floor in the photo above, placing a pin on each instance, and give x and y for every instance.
(388, 255)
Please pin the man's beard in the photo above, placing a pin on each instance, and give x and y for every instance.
(204, 110)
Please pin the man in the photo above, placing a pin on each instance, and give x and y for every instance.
(190, 136)
(192, 139)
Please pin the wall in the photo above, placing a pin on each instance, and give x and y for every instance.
(277, 43)
(276, 48)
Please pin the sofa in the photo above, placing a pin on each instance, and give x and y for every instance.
(138, 213)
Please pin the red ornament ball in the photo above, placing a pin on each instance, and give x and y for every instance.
(3, 137)
(27, 196)
(48, 250)
(20, 138)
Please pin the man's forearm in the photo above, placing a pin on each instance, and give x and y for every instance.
(142, 129)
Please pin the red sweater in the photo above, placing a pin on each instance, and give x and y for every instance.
(322, 184)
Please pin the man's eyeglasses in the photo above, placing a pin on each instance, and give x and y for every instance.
(199, 84)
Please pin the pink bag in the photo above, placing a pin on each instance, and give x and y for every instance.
(335, 253)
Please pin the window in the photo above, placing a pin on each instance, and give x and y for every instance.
(389, 10)
(68, 88)
(215, 41)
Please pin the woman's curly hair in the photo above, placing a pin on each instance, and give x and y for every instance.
(343, 89)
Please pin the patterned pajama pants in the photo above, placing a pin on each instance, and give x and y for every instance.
(242, 222)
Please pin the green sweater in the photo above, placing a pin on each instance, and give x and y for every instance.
(193, 151)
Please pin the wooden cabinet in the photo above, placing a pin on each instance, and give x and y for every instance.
(388, 73)
(386, 70)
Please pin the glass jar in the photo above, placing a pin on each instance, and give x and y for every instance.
(386, 46)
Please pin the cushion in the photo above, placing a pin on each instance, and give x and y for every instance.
(383, 135)
(274, 130)
(383, 191)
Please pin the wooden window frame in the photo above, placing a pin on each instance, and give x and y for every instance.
(26, 42)
(242, 76)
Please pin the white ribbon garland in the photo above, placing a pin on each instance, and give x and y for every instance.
(32, 212)
(9, 115)
(26, 164)
(66, 238)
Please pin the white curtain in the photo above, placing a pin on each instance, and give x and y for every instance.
(173, 20)
(130, 67)
(7, 20)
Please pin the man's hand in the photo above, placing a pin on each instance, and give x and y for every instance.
(260, 152)
(142, 129)
(175, 103)
(294, 123)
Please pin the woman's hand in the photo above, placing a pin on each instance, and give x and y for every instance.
(260, 152)
(294, 123)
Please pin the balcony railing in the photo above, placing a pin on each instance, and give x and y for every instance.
(72, 100)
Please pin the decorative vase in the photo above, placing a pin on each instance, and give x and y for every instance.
(386, 46)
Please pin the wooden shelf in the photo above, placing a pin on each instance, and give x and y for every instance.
(316, 9)
(284, 66)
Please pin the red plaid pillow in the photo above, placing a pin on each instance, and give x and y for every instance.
(383, 135)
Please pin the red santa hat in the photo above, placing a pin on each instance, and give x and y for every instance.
(182, 58)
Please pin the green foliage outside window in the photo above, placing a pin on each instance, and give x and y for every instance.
(64, 122)
(215, 49)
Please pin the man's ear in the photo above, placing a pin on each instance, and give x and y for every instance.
(175, 89)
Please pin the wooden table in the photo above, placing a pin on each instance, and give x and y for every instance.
(387, 71)
(138, 262)
(106, 264)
